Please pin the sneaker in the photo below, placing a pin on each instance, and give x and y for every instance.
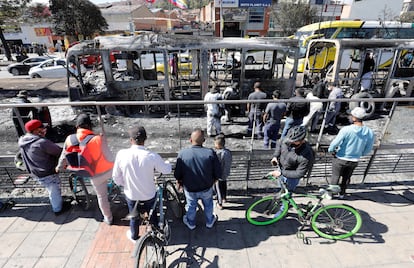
(107, 221)
(341, 196)
(129, 236)
(65, 207)
(214, 221)
(191, 227)
(219, 206)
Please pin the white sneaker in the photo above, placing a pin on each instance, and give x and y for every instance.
(129, 235)
(214, 221)
(107, 221)
(191, 227)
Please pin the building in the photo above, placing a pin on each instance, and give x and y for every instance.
(127, 17)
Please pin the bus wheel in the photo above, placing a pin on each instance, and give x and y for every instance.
(368, 105)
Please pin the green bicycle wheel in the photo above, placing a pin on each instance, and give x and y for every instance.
(267, 210)
(336, 221)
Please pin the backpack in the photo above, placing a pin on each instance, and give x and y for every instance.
(79, 158)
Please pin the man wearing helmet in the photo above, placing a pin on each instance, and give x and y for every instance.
(349, 145)
(294, 156)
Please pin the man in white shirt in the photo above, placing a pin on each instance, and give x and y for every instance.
(213, 112)
(134, 170)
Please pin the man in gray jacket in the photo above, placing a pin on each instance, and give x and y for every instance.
(294, 156)
(40, 156)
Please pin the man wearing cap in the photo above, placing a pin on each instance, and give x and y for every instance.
(349, 145)
(134, 170)
(101, 161)
(40, 156)
(213, 111)
(23, 113)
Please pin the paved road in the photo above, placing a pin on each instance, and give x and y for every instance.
(31, 236)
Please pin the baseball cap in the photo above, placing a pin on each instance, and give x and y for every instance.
(359, 113)
(83, 120)
(138, 133)
(33, 124)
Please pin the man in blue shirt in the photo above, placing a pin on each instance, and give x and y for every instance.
(349, 145)
(197, 169)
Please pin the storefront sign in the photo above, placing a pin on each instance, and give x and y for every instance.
(255, 3)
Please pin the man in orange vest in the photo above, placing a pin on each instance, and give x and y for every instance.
(101, 162)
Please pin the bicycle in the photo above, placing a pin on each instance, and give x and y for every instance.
(77, 186)
(334, 221)
(82, 196)
(150, 248)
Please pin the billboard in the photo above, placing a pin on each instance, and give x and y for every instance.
(255, 3)
(242, 3)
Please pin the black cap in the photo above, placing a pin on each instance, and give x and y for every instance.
(83, 121)
(138, 133)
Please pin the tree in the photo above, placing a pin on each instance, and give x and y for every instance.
(407, 17)
(290, 16)
(10, 13)
(76, 17)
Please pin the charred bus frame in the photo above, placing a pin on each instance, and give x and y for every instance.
(238, 61)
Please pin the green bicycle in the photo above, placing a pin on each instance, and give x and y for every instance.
(335, 221)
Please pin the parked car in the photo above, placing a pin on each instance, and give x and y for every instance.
(23, 67)
(184, 65)
(53, 68)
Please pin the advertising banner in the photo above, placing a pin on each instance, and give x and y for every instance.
(255, 3)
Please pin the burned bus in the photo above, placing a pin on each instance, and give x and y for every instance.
(161, 67)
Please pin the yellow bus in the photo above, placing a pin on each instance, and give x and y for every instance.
(341, 29)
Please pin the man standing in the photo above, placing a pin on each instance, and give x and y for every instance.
(255, 110)
(333, 109)
(295, 111)
(213, 112)
(40, 156)
(101, 161)
(197, 169)
(134, 170)
(349, 145)
(22, 115)
(273, 114)
(294, 156)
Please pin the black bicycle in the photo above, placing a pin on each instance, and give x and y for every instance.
(150, 248)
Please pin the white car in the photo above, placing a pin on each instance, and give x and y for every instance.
(54, 68)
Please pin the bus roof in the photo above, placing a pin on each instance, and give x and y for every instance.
(331, 24)
(176, 43)
(364, 43)
(354, 24)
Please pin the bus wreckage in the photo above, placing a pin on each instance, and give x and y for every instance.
(156, 67)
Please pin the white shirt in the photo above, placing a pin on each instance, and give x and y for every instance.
(212, 108)
(134, 170)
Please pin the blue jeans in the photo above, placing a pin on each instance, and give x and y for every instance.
(271, 132)
(206, 197)
(290, 183)
(289, 123)
(144, 206)
(258, 123)
(52, 185)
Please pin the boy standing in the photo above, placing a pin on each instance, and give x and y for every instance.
(225, 159)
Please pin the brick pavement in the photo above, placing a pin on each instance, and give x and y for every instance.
(32, 236)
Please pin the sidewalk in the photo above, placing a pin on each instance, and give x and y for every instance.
(32, 236)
